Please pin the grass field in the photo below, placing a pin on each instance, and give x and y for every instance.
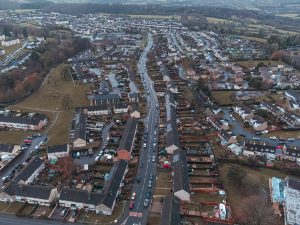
(48, 100)
(253, 63)
(153, 16)
(289, 15)
(223, 97)
(258, 177)
(216, 20)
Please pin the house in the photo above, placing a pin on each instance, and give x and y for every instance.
(58, 151)
(98, 202)
(79, 138)
(217, 123)
(23, 123)
(273, 109)
(134, 97)
(96, 110)
(80, 199)
(134, 112)
(290, 119)
(227, 138)
(128, 137)
(112, 187)
(170, 211)
(236, 149)
(30, 172)
(120, 108)
(262, 149)
(292, 203)
(10, 42)
(172, 137)
(244, 112)
(181, 186)
(32, 194)
(100, 99)
(258, 124)
(292, 153)
(12, 149)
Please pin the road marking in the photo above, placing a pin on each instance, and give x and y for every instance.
(135, 214)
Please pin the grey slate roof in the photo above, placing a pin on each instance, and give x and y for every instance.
(80, 126)
(128, 135)
(31, 191)
(170, 214)
(6, 148)
(111, 187)
(25, 174)
(22, 120)
(181, 177)
(57, 148)
(172, 137)
(81, 196)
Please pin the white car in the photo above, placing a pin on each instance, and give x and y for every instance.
(291, 139)
(273, 138)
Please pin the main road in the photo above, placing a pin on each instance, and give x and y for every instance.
(148, 157)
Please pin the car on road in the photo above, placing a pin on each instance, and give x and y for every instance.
(148, 194)
(150, 184)
(141, 165)
(291, 139)
(133, 196)
(153, 159)
(256, 138)
(146, 202)
(131, 205)
(138, 179)
(145, 145)
(37, 148)
(273, 138)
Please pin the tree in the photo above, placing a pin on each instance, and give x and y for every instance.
(25, 32)
(256, 210)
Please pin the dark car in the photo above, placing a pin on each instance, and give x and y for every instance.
(138, 179)
(141, 165)
(74, 213)
(148, 195)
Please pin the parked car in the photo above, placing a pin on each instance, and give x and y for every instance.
(150, 184)
(133, 196)
(138, 179)
(291, 139)
(148, 194)
(63, 212)
(141, 165)
(74, 213)
(131, 205)
(273, 138)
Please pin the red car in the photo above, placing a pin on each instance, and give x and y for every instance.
(131, 204)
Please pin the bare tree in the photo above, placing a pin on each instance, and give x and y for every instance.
(256, 210)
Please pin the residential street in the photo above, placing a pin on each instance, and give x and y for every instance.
(139, 214)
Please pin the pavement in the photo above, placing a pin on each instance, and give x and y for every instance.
(22, 158)
(139, 214)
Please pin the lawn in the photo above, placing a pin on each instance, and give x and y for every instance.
(163, 183)
(289, 15)
(223, 97)
(49, 100)
(216, 20)
(11, 49)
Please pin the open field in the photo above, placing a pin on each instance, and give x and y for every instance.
(258, 178)
(289, 15)
(262, 40)
(223, 97)
(48, 100)
(154, 16)
(253, 63)
(216, 20)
